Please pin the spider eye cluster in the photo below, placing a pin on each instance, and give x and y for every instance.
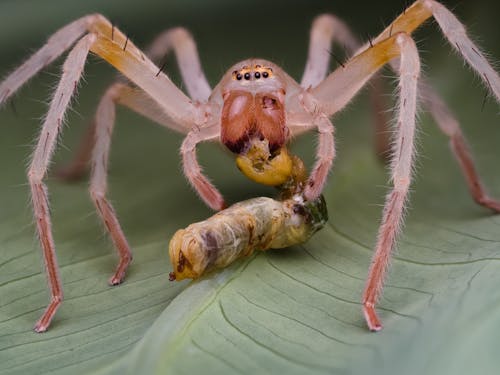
(252, 72)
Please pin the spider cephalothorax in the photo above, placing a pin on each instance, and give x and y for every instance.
(253, 122)
(254, 111)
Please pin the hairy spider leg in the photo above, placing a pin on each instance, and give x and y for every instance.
(450, 126)
(356, 72)
(177, 40)
(327, 30)
(110, 44)
(337, 90)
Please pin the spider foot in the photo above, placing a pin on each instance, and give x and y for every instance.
(371, 317)
(119, 274)
(116, 279)
(44, 322)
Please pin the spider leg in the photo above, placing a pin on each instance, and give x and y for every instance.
(176, 105)
(401, 167)
(55, 46)
(72, 70)
(326, 30)
(325, 151)
(456, 34)
(338, 88)
(134, 98)
(333, 99)
(192, 169)
(104, 122)
(450, 126)
(181, 42)
(351, 78)
(111, 45)
(453, 31)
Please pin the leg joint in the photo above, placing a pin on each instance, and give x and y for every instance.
(35, 177)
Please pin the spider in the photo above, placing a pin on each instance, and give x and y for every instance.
(255, 106)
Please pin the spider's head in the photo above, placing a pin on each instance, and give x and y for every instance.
(253, 123)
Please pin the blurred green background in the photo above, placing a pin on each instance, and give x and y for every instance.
(295, 311)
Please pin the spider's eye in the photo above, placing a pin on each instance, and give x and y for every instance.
(247, 76)
(257, 75)
(265, 74)
(239, 76)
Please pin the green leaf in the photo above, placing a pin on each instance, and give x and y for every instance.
(294, 310)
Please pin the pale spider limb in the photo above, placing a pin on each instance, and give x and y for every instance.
(128, 96)
(401, 167)
(205, 189)
(110, 44)
(328, 29)
(452, 30)
(72, 69)
(325, 151)
(55, 46)
(255, 224)
(347, 82)
(236, 232)
(456, 35)
(338, 97)
(114, 47)
(118, 93)
(458, 144)
(181, 42)
(104, 120)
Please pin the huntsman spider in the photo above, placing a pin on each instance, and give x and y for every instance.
(255, 110)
